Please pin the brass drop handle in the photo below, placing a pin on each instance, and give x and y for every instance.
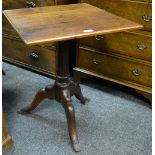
(30, 4)
(97, 61)
(141, 47)
(34, 56)
(136, 72)
(99, 37)
(147, 18)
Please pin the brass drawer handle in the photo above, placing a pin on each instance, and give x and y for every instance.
(136, 72)
(147, 18)
(97, 61)
(30, 4)
(141, 47)
(34, 56)
(98, 38)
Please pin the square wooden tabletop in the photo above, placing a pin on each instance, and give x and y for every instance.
(65, 22)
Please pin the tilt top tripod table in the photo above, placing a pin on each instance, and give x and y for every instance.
(62, 24)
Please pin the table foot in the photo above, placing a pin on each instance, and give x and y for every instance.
(76, 90)
(70, 115)
(79, 95)
(76, 147)
(41, 95)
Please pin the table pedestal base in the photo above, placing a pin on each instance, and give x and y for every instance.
(62, 94)
(62, 91)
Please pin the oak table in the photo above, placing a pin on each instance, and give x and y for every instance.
(62, 24)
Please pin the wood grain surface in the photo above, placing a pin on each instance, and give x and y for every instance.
(65, 22)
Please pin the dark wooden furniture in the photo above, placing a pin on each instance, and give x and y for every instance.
(45, 25)
(6, 139)
(129, 46)
(40, 59)
(36, 58)
(126, 57)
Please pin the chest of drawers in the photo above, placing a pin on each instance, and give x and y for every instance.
(124, 58)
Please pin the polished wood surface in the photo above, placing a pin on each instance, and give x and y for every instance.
(128, 46)
(83, 73)
(17, 4)
(137, 11)
(40, 57)
(115, 66)
(7, 29)
(31, 28)
(12, 54)
(133, 44)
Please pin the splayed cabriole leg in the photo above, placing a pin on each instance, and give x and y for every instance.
(64, 96)
(69, 109)
(76, 90)
(41, 95)
(62, 91)
(47, 92)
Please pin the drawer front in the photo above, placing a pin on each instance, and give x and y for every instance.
(16, 4)
(140, 12)
(126, 43)
(115, 67)
(36, 56)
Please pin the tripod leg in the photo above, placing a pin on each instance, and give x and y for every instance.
(78, 94)
(70, 115)
(41, 95)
